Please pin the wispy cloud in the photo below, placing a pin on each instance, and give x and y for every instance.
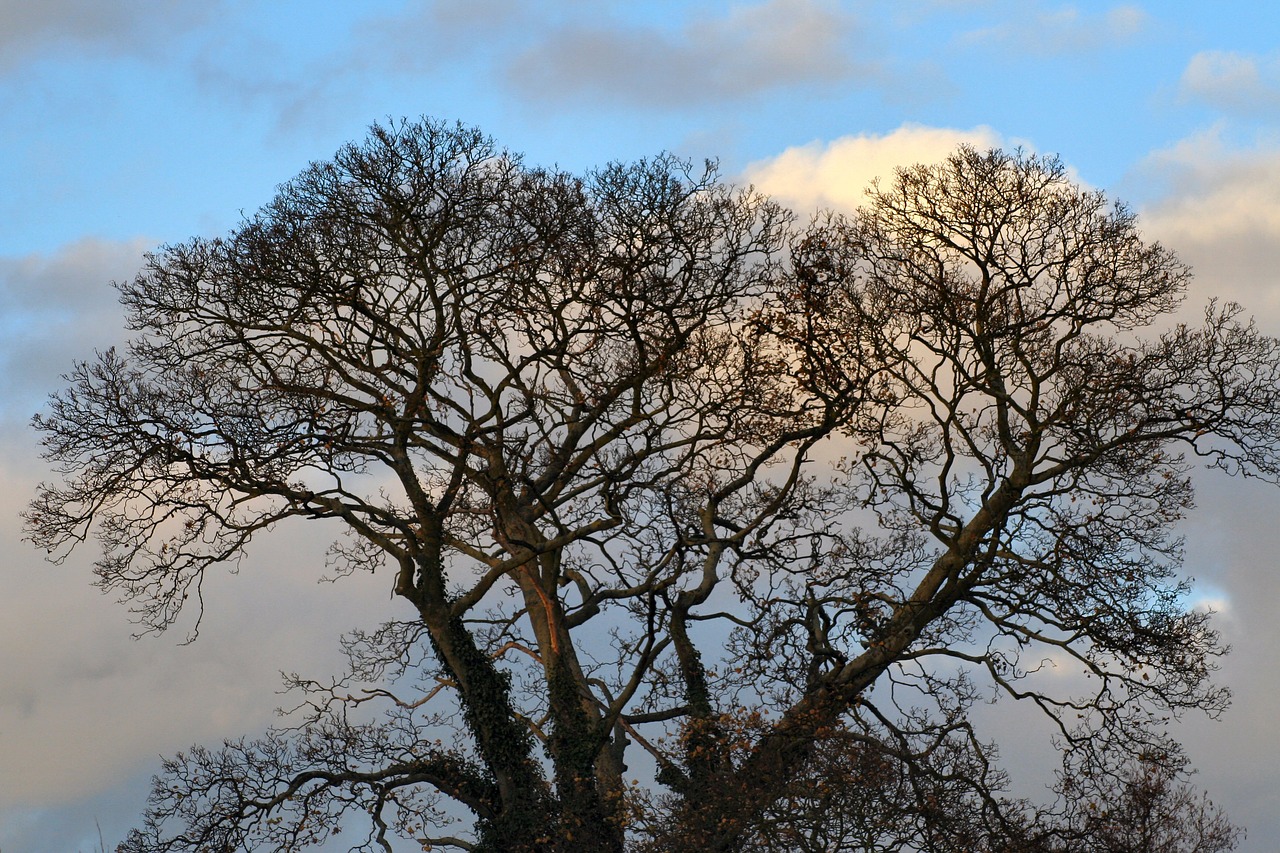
(1034, 28)
(754, 48)
(423, 35)
(259, 69)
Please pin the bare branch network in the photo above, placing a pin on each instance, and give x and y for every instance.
(660, 476)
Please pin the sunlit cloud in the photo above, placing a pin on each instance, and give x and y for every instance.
(1213, 190)
(835, 175)
(1218, 206)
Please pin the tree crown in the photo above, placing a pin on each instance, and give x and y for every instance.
(587, 424)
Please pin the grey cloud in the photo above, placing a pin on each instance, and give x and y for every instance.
(252, 67)
(428, 33)
(1218, 207)
(70, 278)
(30, 29)
(296, 98)
(770, 45)
(1233, 82)
(1232, 540)
(87, 709)
(230, 50)
(54, 309)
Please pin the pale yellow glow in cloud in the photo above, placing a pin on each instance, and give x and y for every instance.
(1215, 192)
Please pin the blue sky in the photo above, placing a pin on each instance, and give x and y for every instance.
(166, 118)
(132, 123)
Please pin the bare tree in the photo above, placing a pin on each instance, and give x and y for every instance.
(587, 427)
(1142, 807)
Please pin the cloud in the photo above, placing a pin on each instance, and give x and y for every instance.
(30, 29)
(836, 174)
(1233, 82)
(543, 53)
(56, 308)
(1219, 208)
(85, 709)
(85, 706)
(771, 45)
(424, 35)
(1232, 539)
(256, 67)
(1031, 28)
(255, 74)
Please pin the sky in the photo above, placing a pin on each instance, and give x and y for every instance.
(130, 124)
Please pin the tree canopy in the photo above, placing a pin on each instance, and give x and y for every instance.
(669, 484)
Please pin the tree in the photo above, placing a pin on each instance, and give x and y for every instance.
(1140, 808)
(653, 468)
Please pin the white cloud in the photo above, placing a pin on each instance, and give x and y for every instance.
(835, 175)
(1233, 82)
(768, 45)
